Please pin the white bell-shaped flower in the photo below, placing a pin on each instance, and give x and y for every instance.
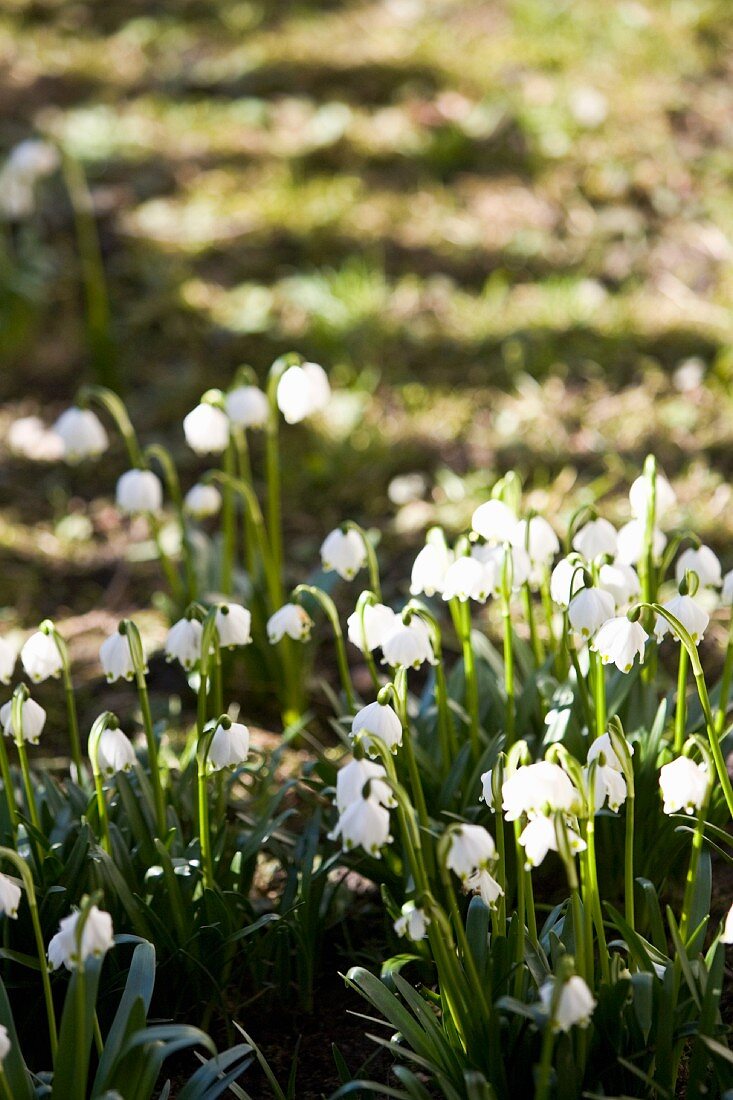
(82, 434)
(494, 559)
(8, 657)
(40, 657)
(429, 569)
(206, 429)
(471, 849)
(541, 788)
(622, 581)
(247, 407)
(364, 824)
(379, 621)
(684, 785)
(619, 642)
(233, 625)
(726, 595)
(603, 748)
(537, 537)
(5, 1044)
(412, 922)
(610, 784)
(727, 933)
(640, 493)
(575, 1003)
(9, 897)
(139, 491)
(467, 579)
(229, 746)
(408, 645)
(183, 643)
(115, 752)
(202, 501)
(344, 552)
(632, 539)
(381, 721)
(351, 783)
(483, 884)
(565, 574)
(595, 538)
(33, 719)
(690, 614)
(290, 619)
(589, 610)
(702, 561)
(494, 521)
(539, 837)
(303, 391)
(97, 936)
(116, 658)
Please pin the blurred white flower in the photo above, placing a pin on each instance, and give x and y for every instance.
(619, 642)
(229, 746)
(597, 537)
(413, 922)
(97, 937)
(494, 521)
(139, 491)
(631, 540)
(471, 849)
(8, 657)
(247, 406)
(589, 610)
(588, 106)
(202, 501)
(81, 433)
(684, 785)
(28, 162)
(467, 579)
(290, 619)
(344, 552)
(575, 1003)
(40, 657)
(303, 391)
(381, 721)
(183, 643)
(703, 562)
(365, 824)
(114, 752)
(539, 837)
(537, 537)
(541, 788)
(565, 574)
(622, 581)
(206, 429)
(29, 437)
(9, 897)
(493, 559)
(690, 614)
(116, 658)
(32, 716)
(640, 493)
(379, 622)
(351, 781)
(234, 625)
(408, 645)
(429, 569)
(610, 784)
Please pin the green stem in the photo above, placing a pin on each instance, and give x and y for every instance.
(534, 637)
(4, 1086)
(70, 701)
(725, 683)
(274, 490)
(9, 790)
(469, 668)
(508, 669)
(173, 485)
(578, 926)
(690, 882)
(244, 468)
(521, 911)
(595, 897)
(629, 879)
(205, 827)
(138, 660)
(228, 524)
(544, 1072)
(599, 692)
(171, 573)
(412, 769)
(372, 562)
(342, 659)
(680, 718)
(102, 811)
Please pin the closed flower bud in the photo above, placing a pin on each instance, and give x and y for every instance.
(541, 788)
(684, 785)
(4, 1043)
(9, 897)
(206, 429)
(467, 579)
(139, 491)
(622, 581)
(429, 569)
(290, 619)
(229, 747)
(488, 889)
(538, 539)
(344, 552)
(234, 625)
(33, 719)
(640, 493)
(202, 501)
(690, 614)
(471, 849)
(632, 541)
(727, 933)
(364, 824)
(619, 642)
(596, 538)
(40, 657)
(183, 643)
(539, 837)
(116, 658)
(408, 646)
(379, 622)
(81, 433)
(114, 752)
(8, 657)
(247, 407)
(575, 1003)
(703, 562)
(351, 783)
(494, 521)
(380, 721)
(413, 922)
(303, 391)
(589, 610)
(96, 939)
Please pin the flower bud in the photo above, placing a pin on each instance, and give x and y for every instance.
(380, 721)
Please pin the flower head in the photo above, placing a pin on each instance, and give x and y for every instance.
(139, 491)
(364, 824)
(41, 657)
(379, 622)
(247, 406)
(303, 391)
(622, 581)
(233, 625)
(207, 429)
(727, 593)
(565, 576)
(412, 922)
(9, 897)
(381, 721)
(183, 643)
(114, 752)
(727, 933)
(704, 563)
(494, 521)
(351, 783)
(595, 538)
(467, 579)
(8, 657)
(640, 496)
(82, 434)
(96, 939)
(541, 788)
(429, 569)
(202, 501)
(684, 785)
(4, 1043)
(229, 746)
(290, 619)
(471, 849)
(589, 610)
(690, 614)
(632, 541)
(537, 537)
(116, 658)
(344, 552)
(408, 645)
(539, 837)
(619, 642)
(32, 717)
(483, 884)
(575, 1003)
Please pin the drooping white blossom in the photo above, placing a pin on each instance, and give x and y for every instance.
(702, 561)
(206, 429)
(381, 721)
(620, 642)
(429, 569)
(540, 788)
(640, 494)
(302, 391)
(467, 579)
(351, 782)
(379, 621)
(621, 580)
(183, 643)
(595, 538)
(41, 658)
(481, 882)
(589, 610)
(139, 491)
(575, 1003)
(690, 614)
(471, 849)
(684, 785)
(363, 824)
(115, 752)
(344, 552)
(116, 658)
(229, 746)
(82, 434)
(408, 645)
(537, 537)
(539, 836)
(8, 657)
(610, 784)
(727, 933)
(33, 719)
(290, 619)
(247, 407)
(565, 576)
(234, 625)
(632, 540)
(202, 501)
(9, 897)
(96, 939)
(412, 922)
(495, 521)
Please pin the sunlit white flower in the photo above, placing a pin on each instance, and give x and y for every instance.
(566, 573)
(632, 539)
(541, 788)
(229, 746)
(8, 657)
(467, 579)
(32, 716)
(494, 559)
(537, 537)
(471, 849)
(494, 521)
(703, 562)
(303, 391)
(378, 623)
(114, 752)
(575, 1003)
(595, 538)
(234, 625)
(622, 581)
(290, 619)
(408, 645)
(139, 491)
(610, 784)
(81, 433)
(727, 593)
(429, 569)
(29, 437)
(684, 785)
(97, 937)
(727, 933)
(40, 657)
(183, 643)
(619, 642)
(363, 824)
(413, 922)
(206, 429)
(116, 658)
(690, 614)
(9, 897)
(381, 721)
(488, 889)
(589, 610)
(603, 747)
(539, 837)
(351, 782)
(5, 1044)
(202, 501)
(247, 406)
(344, 552)
(640, 493)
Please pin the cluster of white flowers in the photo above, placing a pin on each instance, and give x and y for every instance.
(363, 801)
(471, 856)
(403, 644)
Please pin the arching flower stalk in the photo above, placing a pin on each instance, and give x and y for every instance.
(446, 731)
(47, 627)
(128, 629)
(623, 754)
(397, 691)
(20, 696)
(698, 837)
(186, 590)
(371, 557)
(106, 721)
(332, 615)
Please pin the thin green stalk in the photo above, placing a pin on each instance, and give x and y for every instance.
(244, 469)
(207, 865)
(108, 720)
(342, 660)
(595, 898)
(578, 926)
(529, 898)
(115, 407)
(468, 960)
(599, 693)
(680, 718)
(4, 1086)
(521, 911)
(544, 1072)
(412, 769)
(171, 573)
(469, 668)
(9, 789)
(274, 491)
(372, 561)
(229, 528)
(508, 670)
(698, 838)
(725, 683)
(138, 660)
(48, 627)
(534, 638)
(629, 878)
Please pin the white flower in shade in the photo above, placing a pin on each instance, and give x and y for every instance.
(97, 936)
(206, 429)
(595, 538)
(703, 562)
(139, 491)
(429, 569)
(727, 593)
(610, 784)
(4, 1043)
(9, 897)
(482, 883)
(247, 406)
(690, 614)
(684, 785)
(408, 645)
(234, 625)
(379, 622)
(344, 552)
(229, 746)
(40, 657)
(115, 752)
(471, 849)
(575, 1004)
(631, 540)
(351, 781)
(566, 573)
(381, 721)
(303, 391)
(364, 824)
(640, 493)
(619, 642)
(32, 716)
(467, 579)
(539, 837)
(537, 537)
(589, 610)
(183, 643)
(413, 922)
(494, 521)
(541, 788)
(116, 658)
(202, 501)
(726, 935)
(290, 619)
(8, 657)
(81, 433)
(493, 558)
(622, 581)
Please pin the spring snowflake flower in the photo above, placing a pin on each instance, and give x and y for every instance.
(183, 643)
(290, 619)
(247, 407)
(139, 491)
(684, 785)
(467, 579)
(471, 849)
(541, 788)
(351, 781)
(381, 721)
(622, 581)
(493, 558)
(27, 163)
(494, 521)
(40, 657)
(640, 492)
(81, 433)
(32, 716)
(413, 922)
(29, 437)
(619, 642)
(574, 1007)
(704, 563)
(690, 614)
(565, 574)
(539, 837)
(303, 391)
(344, 552)
(207, 429)
(727, 933)
(229, 746)
(727, 593)
(364, 824)
(610, 784)
(234, 625)
(379, 622)
(595, 538)
(116, 658)
(488, 889)
(429, 569)
(9, 897)
(8, 657)
(537, 537)
(589, 610)
(631, 540)
(202, 501)
(115, 752)
(96, 939)
(408, 645)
